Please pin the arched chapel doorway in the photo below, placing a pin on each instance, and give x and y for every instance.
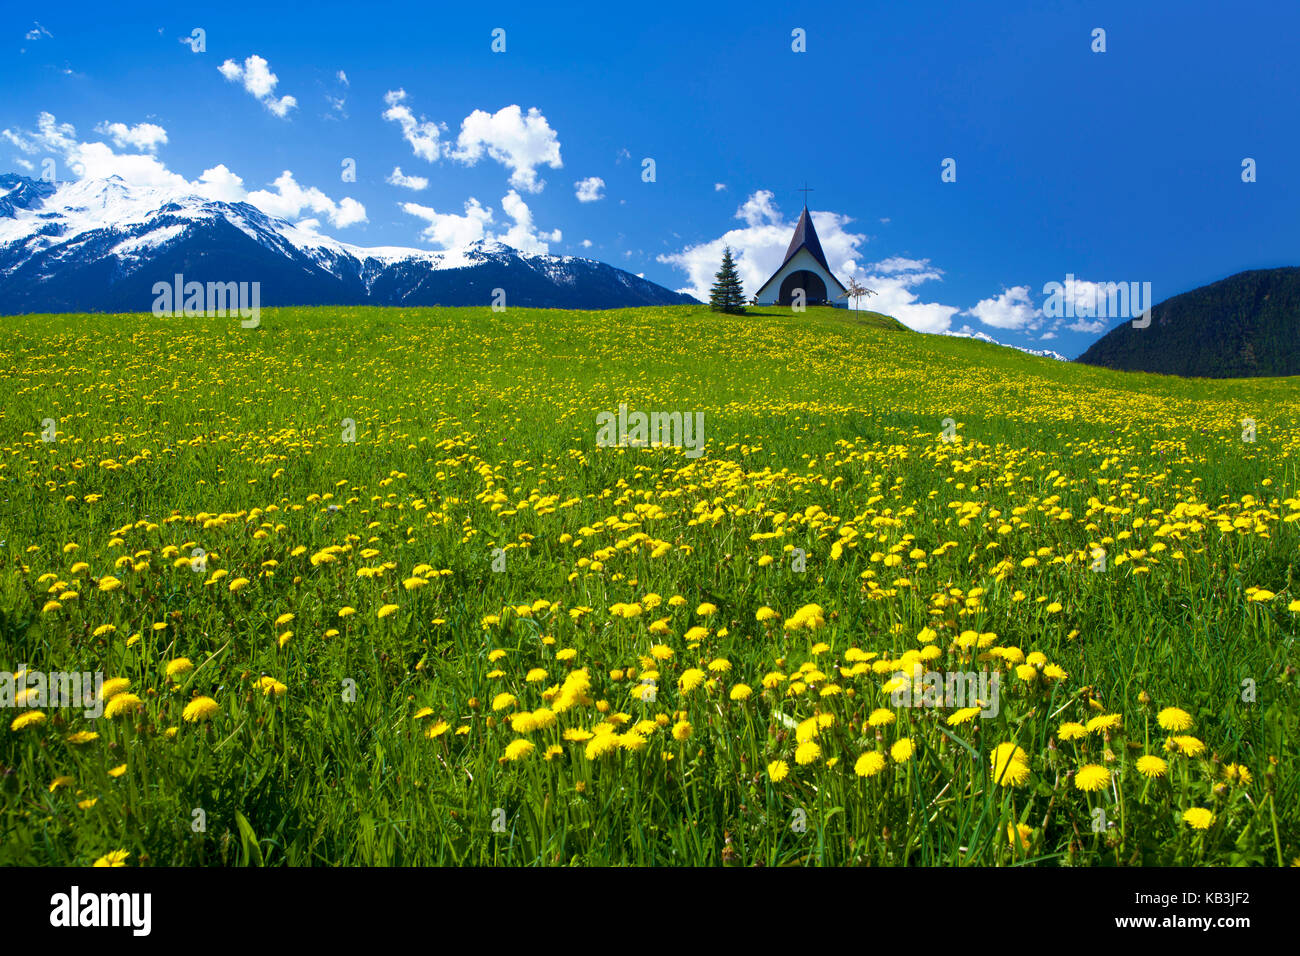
(814, 289)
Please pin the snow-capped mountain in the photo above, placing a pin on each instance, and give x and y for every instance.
(985, 337)
(100, 245)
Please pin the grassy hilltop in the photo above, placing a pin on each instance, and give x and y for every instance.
(471, 635)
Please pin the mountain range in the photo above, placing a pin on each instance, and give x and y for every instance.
(967, 333)
(100, 245)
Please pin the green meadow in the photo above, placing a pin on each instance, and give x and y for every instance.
(363, 589)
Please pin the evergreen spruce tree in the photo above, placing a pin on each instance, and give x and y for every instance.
(728, 292)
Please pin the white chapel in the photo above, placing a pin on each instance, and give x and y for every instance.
(804, 268)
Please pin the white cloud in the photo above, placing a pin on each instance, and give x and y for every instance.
(893, 286)
(21, 142)
(338, 103)
(449, 230)
(399, 178)
(759, 248)
(1086, 302)
(586, 243)
(589, 189)
(1011, 309)
(759, 210)
(259, 81)
(520, 143)
(719, 187)
(522, 235)
(50, 135)
(290, 199)
(37, 32)
(1089, 308)
(1092, 327)
(899, 264)
(221, 184)
(98, 161)
(145, 137)
(286, 199)
(423, 135)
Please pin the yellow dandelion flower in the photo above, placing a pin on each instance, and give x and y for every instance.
(1092, 777)
(963, 716)
(881, 717)
(199, 709)
(33, 718)
(1104, 722)
(807, 752)
(1151, 766)
(269, 686)
(600, 745)
(113, 686)
(869, 764)
(1198, 818)
(122, 705)
(1009, 764)
(1236, 773)
(691, 678)
(1018, 835)
(1071, 730)
(518, 749)
(181, 665)
(1187, 746)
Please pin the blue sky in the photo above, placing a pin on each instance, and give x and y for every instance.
(1112, 167)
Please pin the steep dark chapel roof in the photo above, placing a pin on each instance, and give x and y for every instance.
(805, 236)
